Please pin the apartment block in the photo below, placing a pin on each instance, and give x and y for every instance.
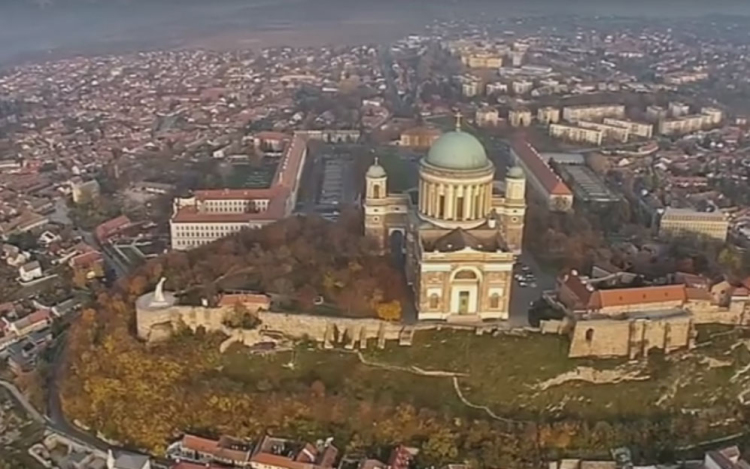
(592, 113)
(548, 115)
(576, 134)
(609, 132)
(519, 117)
(638, 129)
(678, 221)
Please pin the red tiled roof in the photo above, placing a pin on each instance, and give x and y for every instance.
(634, 296)
(245, 298)
(284, 185)
(110, 227)
(199, 444)
(538, 167)
(269, 135)
(699, 294)
(86, 259)
(235, 194)
(191, 215)
(278, 461)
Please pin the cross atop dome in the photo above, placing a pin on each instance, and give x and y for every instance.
(458, 116)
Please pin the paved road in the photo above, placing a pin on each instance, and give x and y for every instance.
(522, 297)
(55, 417)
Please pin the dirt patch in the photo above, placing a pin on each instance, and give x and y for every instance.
(594, 376)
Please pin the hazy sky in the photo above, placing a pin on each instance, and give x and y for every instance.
(91, 25)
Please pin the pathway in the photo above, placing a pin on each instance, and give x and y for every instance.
(439, 374)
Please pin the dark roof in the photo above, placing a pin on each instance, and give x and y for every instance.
(459, 239)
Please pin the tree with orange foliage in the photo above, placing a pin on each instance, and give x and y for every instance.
(389, 311)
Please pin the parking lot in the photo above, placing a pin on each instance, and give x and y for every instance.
(336, 184)
(529, 281)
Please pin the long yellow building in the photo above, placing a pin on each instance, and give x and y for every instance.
(677, 221)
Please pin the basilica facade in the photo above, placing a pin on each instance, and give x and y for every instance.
(461, 232)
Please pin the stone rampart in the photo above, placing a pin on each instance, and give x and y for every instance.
(728, 317)
(158, 324)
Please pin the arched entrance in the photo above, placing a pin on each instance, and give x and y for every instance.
(465, 291)
(397, 246)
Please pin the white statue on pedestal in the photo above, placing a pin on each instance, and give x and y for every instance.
(158, 299)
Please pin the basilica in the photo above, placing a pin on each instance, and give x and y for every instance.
(462, 230)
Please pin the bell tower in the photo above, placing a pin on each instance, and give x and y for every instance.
(376, 195)
(514, 211)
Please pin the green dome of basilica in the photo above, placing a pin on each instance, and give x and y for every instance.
(457, 150)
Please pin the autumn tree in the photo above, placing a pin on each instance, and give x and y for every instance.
(389, 311)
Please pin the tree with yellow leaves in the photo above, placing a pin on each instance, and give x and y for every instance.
(389, 311)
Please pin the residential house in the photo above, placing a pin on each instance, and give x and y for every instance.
(48, 238)
(35, 321)
(111, 227)
(127, 460)
(582, 296)
(90, 264)
(23, 354)
(725, 458)
(13, 255)
(225, 450)
(279, 453)
(193, 465)
(30, 271)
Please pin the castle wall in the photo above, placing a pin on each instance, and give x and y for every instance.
(150, 324)
(623, 338)
(605, 339)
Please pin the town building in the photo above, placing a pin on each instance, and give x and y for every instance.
(487, 117)
(280, 453)
(496, 88)
(609, 132)
(544, 182)
(639, 129)
(588, 188)
(117, 459)
(482, 59)
(519, 117)
(225, 450)
(419, 137)
(460, 237)
(592, 113)
(522, 86)
(469, 86)
(577, 134)
(684, 124)
(682, 78)
(85, 191)
(30, 271)
(111, 228)
(680, 221)
(678, 109)
(212, 214)
(548, 115)
(714, 116)
(656, 113)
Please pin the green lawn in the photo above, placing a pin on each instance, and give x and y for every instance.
(342, 374)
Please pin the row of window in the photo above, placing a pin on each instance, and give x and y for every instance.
(211, 231)
(435, 301)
